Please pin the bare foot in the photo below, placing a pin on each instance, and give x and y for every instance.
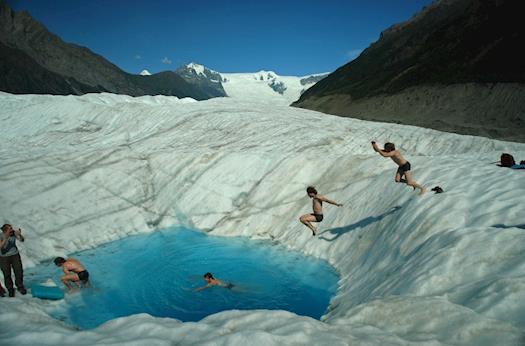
(423, 190)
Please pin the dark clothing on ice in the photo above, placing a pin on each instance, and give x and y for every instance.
(15, 262)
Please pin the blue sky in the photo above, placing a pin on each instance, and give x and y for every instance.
(289, 37)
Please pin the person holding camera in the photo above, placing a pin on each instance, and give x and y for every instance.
(10, 259)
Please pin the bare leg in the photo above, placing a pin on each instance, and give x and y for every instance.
(413, 183)
(401, 180)
(66, 282)
(398, 178)
(306, 219)
(69, 277)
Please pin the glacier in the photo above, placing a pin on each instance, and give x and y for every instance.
(263, 87)
(437, 269)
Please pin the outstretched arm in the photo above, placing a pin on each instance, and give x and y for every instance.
(382, 152)
(327, 200)
(201, 288)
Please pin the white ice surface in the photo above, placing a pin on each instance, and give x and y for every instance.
(76, 172)
(254, 87)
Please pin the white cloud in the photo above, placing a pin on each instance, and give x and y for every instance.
(353, 53)
(165, 60)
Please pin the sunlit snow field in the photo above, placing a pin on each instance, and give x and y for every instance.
(78, 172)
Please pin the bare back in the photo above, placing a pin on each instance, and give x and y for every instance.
(216, 282)
(72, 265)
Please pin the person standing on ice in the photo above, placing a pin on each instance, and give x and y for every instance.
(10, 259)
(317, 205)
(74, 271)
(404, 166)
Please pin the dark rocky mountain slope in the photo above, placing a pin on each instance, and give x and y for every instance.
(456, 66)
(207, 80)
(20, 74)
(49, 65)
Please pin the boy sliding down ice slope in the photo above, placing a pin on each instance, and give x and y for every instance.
(404, 166)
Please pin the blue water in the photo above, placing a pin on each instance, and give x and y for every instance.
(156, 274)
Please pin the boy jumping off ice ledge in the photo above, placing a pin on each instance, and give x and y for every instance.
(317, 205)
(404, 166)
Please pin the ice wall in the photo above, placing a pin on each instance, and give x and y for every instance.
(437, 269)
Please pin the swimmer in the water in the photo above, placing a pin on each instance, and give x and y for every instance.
(211, 281)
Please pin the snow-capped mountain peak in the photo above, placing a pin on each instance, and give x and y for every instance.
(263, 86)
(203, 77)
(198, 69)
(266, 86)
(265, 75)
(145, 73)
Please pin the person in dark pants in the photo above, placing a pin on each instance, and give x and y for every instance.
(10, 259)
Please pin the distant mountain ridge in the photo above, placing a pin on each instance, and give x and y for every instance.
(207, 80)
(71, 69)
(33, 60)
(440, 69)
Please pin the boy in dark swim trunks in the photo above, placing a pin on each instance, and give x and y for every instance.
(73, 271)
(211, 281)
(317, 205)
(404, 166)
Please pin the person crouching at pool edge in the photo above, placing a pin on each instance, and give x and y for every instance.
(74, 272)
(211, 281)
